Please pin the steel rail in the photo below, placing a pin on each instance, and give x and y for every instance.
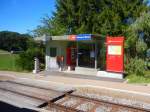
(63, 108)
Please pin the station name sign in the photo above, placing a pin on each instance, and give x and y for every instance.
(83, 37)
(80, 37)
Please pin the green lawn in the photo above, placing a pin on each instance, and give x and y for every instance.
(2, 51)
(7, 61)
(139, 79)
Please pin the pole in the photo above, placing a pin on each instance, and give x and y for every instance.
(77, 59)
(36, 65)
(95, 55)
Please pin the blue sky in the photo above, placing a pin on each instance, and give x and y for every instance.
(23, 15)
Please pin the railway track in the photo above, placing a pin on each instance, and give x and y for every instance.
(56, 101)
(76, 103)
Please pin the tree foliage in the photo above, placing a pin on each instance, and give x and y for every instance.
(138, 35)
(26, 59)
(108, 17)
(136, 66)
(13, 40)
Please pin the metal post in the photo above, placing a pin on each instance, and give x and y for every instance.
(77, 64)
(95, 55)
(36, 65)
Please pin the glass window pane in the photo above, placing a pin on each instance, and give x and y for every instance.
(53, 52)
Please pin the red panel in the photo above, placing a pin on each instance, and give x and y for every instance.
(72, 37)
(115, 54)
(71, 56)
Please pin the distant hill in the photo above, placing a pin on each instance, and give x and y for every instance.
(13, 40)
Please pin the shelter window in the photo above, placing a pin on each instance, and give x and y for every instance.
(53, 52)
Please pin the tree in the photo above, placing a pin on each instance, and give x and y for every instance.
(25, 60)
(13, 40)
(108, 17)
(138, 35)
(51, 26)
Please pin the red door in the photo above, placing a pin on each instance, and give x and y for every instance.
(115, 54)
(71, 56)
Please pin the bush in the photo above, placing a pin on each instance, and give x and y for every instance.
(26, 59)
(136, 66)
(7, 62)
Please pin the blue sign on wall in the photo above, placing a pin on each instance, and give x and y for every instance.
(83, 37)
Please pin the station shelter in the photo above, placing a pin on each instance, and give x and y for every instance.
(83, 52)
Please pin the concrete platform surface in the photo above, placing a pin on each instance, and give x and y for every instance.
(80, 76)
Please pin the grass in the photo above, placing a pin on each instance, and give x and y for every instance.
(7, 61)
(4, 52)
(139, 79)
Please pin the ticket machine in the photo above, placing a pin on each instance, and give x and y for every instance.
(115, 54)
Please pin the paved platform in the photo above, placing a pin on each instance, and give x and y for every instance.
(79, 76)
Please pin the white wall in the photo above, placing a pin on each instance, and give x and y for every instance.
(61, 50)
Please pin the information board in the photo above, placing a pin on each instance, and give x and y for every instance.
(115, 54)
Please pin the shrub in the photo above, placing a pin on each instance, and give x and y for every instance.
(136, 66)
(26, 59)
